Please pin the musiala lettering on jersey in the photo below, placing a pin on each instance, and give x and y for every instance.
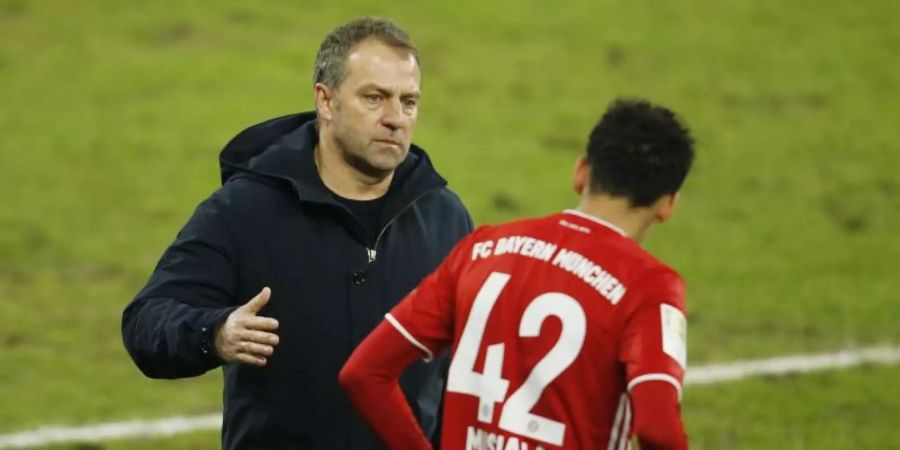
(478, 439)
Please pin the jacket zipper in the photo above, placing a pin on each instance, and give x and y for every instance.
(371, 253)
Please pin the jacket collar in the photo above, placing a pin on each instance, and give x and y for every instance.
(282, 150)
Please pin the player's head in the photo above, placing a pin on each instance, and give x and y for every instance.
(639, 152)
(367, 93)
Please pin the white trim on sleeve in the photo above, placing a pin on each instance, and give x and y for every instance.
(656, 377)
(393, 321)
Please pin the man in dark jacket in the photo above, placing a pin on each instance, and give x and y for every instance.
(323, 221)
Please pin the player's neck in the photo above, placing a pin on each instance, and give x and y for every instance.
(345, 180)
(633, 221)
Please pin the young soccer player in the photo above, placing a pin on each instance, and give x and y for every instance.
(565, 333)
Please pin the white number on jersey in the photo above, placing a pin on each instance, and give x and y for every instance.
(490, 387)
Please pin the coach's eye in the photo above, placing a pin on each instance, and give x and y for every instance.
(373, 98)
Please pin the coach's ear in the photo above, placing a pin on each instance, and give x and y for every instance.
(664, 207)
(324, 102)
(582, 175)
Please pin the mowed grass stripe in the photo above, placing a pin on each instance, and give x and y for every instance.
(703, 375)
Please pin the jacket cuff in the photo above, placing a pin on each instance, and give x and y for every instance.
(207, 335)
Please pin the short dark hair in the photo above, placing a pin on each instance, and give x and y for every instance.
(640, 151)
(335, 48)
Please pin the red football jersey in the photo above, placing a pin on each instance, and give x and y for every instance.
(552, 321)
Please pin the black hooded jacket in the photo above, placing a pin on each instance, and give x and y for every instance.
(274, 223)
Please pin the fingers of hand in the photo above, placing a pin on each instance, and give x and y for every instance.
(250, 359)
(260, 323)
(246, 334)
(241, 340)
(259, 337)
(255, 349)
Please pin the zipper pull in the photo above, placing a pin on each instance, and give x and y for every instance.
(372, 253)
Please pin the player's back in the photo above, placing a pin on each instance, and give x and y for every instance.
(542, 332)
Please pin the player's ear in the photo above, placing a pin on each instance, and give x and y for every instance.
(324, 102)
(664, 207)
(581, 175)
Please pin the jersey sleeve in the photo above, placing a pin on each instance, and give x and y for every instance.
(657, 421)
(370, 377)
(425, 317)
(654, 339)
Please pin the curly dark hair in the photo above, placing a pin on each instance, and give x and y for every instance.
(640, 151)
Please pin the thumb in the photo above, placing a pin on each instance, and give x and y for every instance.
(257, 303)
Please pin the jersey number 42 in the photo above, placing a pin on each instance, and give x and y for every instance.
(490, 387)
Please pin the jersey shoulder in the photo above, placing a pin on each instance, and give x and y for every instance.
(657, 282)
(645, 276)
(519, 226)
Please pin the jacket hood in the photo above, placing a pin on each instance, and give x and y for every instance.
(281, 150)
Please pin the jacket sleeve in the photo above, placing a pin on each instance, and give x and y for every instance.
(469, 222)
(168, 329)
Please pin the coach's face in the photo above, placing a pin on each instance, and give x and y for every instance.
(372, 114)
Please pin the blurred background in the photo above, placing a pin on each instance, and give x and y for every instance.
(112, 114)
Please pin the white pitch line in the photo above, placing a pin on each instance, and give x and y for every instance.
(710, 374)
(112, 430)
(784, 365)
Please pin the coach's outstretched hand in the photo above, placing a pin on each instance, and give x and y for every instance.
(245, 337)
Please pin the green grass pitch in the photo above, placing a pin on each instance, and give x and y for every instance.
(112, 114)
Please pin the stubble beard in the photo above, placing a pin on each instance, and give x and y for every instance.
(354, 154)
(358, 161)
